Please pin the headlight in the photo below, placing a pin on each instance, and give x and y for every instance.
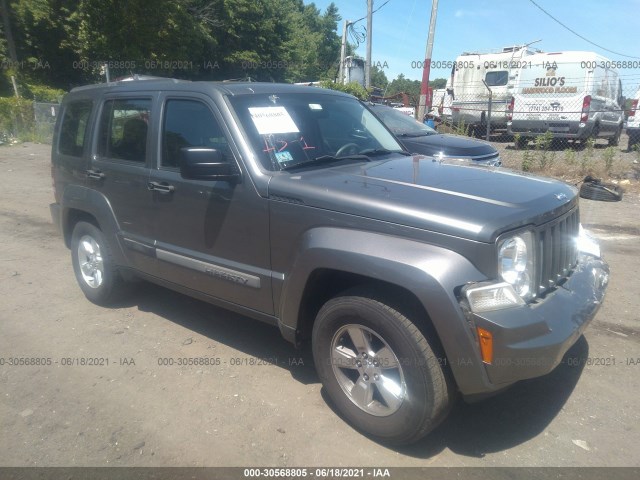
(587, 244)
(515, 263)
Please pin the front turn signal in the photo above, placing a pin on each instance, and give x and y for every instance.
(486, 345)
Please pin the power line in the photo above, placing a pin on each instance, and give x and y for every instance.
(358, 36)
(371, 12)
(578, 35)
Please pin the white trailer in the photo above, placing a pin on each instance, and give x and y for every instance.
(573, 94)
(476, 78)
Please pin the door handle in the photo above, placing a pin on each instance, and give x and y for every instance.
(160, 187)
(95, 174)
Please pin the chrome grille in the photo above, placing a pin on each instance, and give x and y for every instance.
(557, 250)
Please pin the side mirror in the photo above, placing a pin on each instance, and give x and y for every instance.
(198, 163)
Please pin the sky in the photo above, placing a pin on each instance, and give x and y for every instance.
(400, 30)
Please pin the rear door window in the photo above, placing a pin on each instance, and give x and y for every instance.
(124, 128)
(73, 133)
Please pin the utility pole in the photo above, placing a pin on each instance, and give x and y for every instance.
(424, 88)
(343, 52)
(367, 67)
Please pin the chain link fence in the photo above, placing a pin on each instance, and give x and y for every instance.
(25, 120)
(45, 115)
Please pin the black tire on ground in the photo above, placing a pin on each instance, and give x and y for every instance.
(558, 143)
(480, 131)
(96, 272)
(470, 131)
(600, 192)
(427, 393)
(521, 142)
(634, 138)
(615, 140)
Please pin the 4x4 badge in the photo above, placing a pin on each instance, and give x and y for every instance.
(561, 196)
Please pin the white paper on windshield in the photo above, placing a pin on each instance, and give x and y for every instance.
(270, 120)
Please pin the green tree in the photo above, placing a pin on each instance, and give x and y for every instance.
(378, 77)
(65, 41)
(438, 83)
(353, 88)
(400, 84)
(42, 29)
(133, 36)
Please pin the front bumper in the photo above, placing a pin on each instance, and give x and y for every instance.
(530, 341)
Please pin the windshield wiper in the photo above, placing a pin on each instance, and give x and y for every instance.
(417, 134)
(373, 152)
(324, 159)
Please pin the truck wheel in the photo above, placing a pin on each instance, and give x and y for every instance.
(615, 140)
(634, 138)
(93, 264)
(379, 370)
(521, 142)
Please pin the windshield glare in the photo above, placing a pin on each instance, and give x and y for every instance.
(400, 123)
(293, 128)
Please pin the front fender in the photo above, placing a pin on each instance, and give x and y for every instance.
(431, 273)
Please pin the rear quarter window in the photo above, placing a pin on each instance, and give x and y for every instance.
(73, 132)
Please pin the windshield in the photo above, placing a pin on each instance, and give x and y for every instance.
(290, 129)
(400, 123)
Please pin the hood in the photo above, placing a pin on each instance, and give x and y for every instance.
(473, 202)
(450, 145)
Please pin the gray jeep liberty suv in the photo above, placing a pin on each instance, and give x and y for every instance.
(414, 279)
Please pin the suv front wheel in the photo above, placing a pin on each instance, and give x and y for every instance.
(93, 265)
(379, 369)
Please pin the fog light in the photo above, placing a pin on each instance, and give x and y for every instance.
(496, 296)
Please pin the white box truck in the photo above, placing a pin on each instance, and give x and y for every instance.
(469, 101)
(573, 95)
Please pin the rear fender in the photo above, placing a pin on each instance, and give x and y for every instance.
(82, 200)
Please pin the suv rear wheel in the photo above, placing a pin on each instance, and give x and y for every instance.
(615, 140)
(379, 369)
(93, 265)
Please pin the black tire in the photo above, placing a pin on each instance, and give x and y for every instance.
(634, 138)
(426, 393)
(615, 140)
(521, 142)
(109, 286)
(469, 131)
(480, 131)
(600, 192)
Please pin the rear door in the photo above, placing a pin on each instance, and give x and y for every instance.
(211, 236)
(120, 171)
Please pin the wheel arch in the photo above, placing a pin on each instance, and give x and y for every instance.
(418, 279)
(88, 205)
(325, 284)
